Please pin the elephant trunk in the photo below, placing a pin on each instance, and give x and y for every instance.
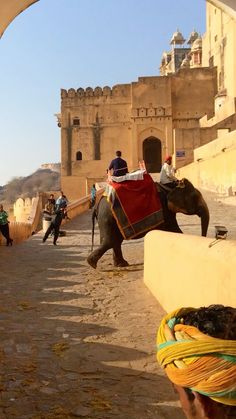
(203, 213)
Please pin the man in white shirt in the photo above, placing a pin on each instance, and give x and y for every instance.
(167, 176)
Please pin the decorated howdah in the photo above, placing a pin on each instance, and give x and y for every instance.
(135, 205)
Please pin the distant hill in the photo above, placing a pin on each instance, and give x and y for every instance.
(26, 187)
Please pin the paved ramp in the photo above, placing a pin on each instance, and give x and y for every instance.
(76, 342)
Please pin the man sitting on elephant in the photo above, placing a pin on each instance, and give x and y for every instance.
(167, 176)
(118, 165)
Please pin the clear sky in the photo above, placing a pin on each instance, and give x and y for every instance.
(58, 44)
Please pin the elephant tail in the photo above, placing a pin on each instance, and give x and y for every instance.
(94, 216)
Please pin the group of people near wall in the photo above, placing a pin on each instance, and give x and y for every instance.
(56, 209)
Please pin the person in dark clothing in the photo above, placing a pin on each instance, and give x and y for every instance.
(4, 225)
(55, 225)
(118, 165)
(93, 194)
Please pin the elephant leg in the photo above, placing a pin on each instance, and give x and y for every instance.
(118, 259)
(174, 226)
(171, 223)
(94, 257)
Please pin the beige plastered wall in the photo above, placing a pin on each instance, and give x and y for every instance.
(183, 270)
(219, 42)
(214, 166)
(127, 116)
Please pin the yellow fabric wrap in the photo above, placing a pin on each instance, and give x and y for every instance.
(197, 361)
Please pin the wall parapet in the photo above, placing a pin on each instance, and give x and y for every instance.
(117, 90)
(81, 205)
(21, 231)
(214, 166)
(198, 275)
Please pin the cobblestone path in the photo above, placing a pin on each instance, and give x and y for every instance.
(78, 342)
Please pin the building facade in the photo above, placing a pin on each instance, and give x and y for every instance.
(146, 119)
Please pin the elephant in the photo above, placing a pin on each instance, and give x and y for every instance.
(184, 198)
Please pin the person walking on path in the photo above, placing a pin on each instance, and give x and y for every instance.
(55, 225)
(167, 176)
(92, 196)
(4, 225)
(118, 165)
(62, 201)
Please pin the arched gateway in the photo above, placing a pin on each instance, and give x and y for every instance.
(152, 154)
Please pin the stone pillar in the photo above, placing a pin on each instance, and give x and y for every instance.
(169, 144)
(97, 139)
(66, 143)
(135, 157)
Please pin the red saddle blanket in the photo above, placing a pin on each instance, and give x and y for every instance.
(136, 206)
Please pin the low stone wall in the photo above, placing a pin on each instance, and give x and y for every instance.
(22, 231)
(81, 205)
(183, 270)
(214, 166)
(18, 232)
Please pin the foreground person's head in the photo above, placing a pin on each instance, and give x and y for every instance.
(197, 349)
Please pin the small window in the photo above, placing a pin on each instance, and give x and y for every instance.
(76, 121)
(78, 155)
(216, 37)
(211, 62)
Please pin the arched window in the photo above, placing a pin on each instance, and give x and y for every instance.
(152, 154)
(76, 121)
(78, 155)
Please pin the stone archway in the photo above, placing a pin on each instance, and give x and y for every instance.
(152, 154)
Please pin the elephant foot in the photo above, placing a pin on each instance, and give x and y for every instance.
(92, 262)
(121, 264)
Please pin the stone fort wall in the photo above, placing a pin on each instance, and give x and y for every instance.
(97, 122)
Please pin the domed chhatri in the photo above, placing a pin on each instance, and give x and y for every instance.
(177, 38)
(192, 37)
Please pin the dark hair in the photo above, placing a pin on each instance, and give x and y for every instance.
(118, 153)
(216, 320)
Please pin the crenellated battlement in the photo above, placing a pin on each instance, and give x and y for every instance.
(117, 90)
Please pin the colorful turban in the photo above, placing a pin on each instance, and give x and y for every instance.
(195, 360)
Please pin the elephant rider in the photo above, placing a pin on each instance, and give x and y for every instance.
(118, 165)
(197, 349)
(167, 176)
